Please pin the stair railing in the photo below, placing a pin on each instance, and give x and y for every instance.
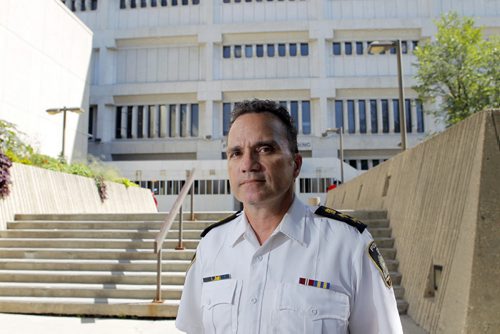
(160, 237)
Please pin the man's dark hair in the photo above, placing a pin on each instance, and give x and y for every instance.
(261, 106)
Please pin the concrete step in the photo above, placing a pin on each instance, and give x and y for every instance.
(87, 234)
(103, 225)
(402, 306)
(94, 265)
(114, 277)
(399, 291)
(159, 217)
(396, 277)
(114, 291)
(388, 253)
(135, 254)
(89, 307)
(380, 232)
(92, 243)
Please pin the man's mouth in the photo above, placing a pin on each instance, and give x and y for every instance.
(252, 181)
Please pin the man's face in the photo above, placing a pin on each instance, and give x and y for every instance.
(261, 167)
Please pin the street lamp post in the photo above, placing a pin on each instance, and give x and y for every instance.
(340, 132)
(55, 111)
(378, 47)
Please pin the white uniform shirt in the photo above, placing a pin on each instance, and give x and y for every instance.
(259, 290)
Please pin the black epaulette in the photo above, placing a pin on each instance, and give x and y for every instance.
(334, 214)
(219, 223)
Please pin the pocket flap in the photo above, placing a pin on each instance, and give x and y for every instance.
(218, 292)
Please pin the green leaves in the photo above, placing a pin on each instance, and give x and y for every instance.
(459, 70)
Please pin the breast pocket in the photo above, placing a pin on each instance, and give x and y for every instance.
(304, 309)
(220, 306)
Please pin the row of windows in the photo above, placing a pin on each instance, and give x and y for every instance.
(258, 50)
(153, 121)
(200, 187)
(222, 187)
(80, 5)
(361, 48)
(299, 110)
(155, 3)
(239, 1)
(358, 111)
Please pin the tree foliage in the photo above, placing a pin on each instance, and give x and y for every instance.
(460, 69)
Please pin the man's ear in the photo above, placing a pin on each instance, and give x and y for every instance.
(297, 160)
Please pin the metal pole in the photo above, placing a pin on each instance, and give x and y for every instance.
(64, 134)
(158, 279)
(180, 246)
(402, 114)
(192, 203)
(341, 132)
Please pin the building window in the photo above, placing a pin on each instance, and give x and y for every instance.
(294, 111)
(185, 2)
(226, 118)
(194, 120)
(82, 5)
(130, 114)
(336, 48)
(196, 2)
(237, 51)
(164, 3)
(339, 114)
(415, 45)
(404, 47)
(375, 162)
(351, 117)
(395, 110)
(92, 122)
(248, 51)
(281, 50)
(359, 48)
(122, 4)
(153, 3)
(385, 116)
(348, 48)
(362, 116)
(133, 4)
(306, 117)
(374, 116)
(226, 51)
(420, 116)
(270, 50)
(259, 50)
(353, 163)
(408, 115)
(93, 5)
(118, 123)
(304, 49)
(174, 3)
(364, 164)
(143, 3)
(292, 49)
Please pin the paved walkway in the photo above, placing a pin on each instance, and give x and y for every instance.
(39, 324)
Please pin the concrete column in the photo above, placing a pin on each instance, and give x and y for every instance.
(368, 114)
(379, 116)
(152, 110)
(123, 127)
(391, 116)
(356, 117)
(134, 122)
(414, 116)
(163, 120)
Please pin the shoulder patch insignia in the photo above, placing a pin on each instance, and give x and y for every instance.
(334, 214)
(379, 262)
(219, 223)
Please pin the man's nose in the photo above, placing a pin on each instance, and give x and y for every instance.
(250, 162)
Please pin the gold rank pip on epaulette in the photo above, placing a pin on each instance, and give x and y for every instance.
(337, 215)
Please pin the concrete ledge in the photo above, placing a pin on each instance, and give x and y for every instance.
(442, 201)
(35, 190)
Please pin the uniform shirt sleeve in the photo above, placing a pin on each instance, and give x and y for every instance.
(375, 308)
(189, 316)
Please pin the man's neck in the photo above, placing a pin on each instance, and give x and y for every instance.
(265, 219)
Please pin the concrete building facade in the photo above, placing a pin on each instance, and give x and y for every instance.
(44, 61)
(166, 73)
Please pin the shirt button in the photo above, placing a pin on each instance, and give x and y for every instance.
(259, 258)
(253, 300)
(314, 311)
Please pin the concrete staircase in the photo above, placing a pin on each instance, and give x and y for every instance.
(103, 264)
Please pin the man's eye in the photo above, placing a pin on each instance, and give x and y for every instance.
(265, 149)
(234, 155)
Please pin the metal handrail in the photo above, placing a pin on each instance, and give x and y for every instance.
(160, 237)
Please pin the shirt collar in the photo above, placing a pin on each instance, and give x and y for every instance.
(293, 225)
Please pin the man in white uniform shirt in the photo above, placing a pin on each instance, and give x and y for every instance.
(281, 266)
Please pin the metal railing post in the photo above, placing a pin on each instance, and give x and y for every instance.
(180, 246)
(158, 279)
(192, 203)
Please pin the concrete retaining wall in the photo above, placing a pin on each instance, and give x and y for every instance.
(37, 190)
(442, 197)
